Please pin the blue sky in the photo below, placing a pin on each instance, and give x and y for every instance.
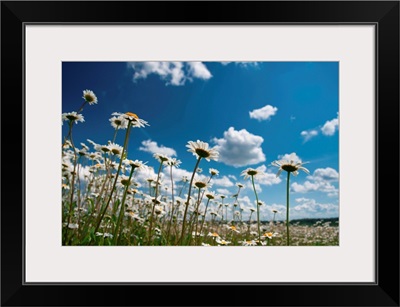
(253, 112)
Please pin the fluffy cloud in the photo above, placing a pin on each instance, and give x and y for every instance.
(239, 148)
(173, 73)
(292, 156)
(330, 127)
(310, 208)
(222, 182)
(263, 113)
(198, 70)
(321, 180)
(225, 192)
(266, 177)
(308, 135)
(152, 147)
(324, 174)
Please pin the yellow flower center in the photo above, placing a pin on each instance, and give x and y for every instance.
(200, 185)
(202, 153)
(72, 117)
(252, 172)
(289, 168)
(89, 98)
(130, 114)
(125, 182)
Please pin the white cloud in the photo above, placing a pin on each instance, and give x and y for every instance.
(152, 147)
(321, 180)
(199, 70)
(263, 113)
(324, 174)
(330, 127)
(309, 208)
(225, 192)
(267, 178)
(240, 148)
(222, 182)
(173, 73)
(308, 135)
(308, 186)
(292, 156)
(242, 64)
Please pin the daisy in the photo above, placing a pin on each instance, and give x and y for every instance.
(73, 117)
(210, 195)
(161, 158)
(201, 184)
(173, 162)
(222, 241)
(213, 235)
(202, 150)
(251, 172)
(89, 97)
(213, 172)
(132, 118)
(115, 149)
(135, 164)
(119, 122)
(292, 165)
(268, 235)
(233, 228)
(249, 243)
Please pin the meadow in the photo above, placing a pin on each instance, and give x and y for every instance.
(105, 205)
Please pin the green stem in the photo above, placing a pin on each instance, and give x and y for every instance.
(258, 210)
(287, 210)
(155, 200)
(116, 178)
(122, 209)
(187, 201)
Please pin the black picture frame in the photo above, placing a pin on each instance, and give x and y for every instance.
(383, 14)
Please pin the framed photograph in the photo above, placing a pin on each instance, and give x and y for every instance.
(237, 153)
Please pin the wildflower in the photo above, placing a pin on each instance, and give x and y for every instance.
(201, 150)
(213, 235)
(135, 164)
(197, 234)
(161, 158)
(251, 172)
(73, 226)
(205, 244)
(213, 172)
(115, 149)
(210, 195)
(292, 165)
(249, 243)
(132, 118)
(233, 228)
(201, 184)
(261, 203)
(73, 117)
(90, 97)
(173, 162)
(239, 185)
(268, 235)
(119, 122)
(222, 241)
(158, 210)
